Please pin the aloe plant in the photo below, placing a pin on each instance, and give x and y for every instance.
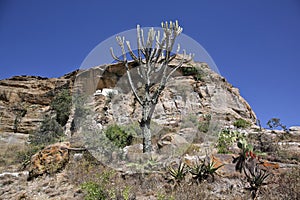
(256, 178)
(203, 170)
(177, 174)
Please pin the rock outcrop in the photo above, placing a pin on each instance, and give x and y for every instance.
(24, 100)
(208, 94)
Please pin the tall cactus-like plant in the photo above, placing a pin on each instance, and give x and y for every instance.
(153, 57)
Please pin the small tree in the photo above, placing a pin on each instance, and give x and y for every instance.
(153, 58)
(49, 132)
(275, 123)
(20, 111)
(62, 105)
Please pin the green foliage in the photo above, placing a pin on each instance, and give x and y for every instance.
(126, 193)
(25, 155)
(204, 125)
(62, 105)
(241, 123)
(110, 97)
(93, 191)
(226, 139)
(49, 132)
(177, 173)
(103, 186)
(275, 123)
(19, 111)
(81, 111)
(256, 177)
(98, 189)
(192, 71)
(118, 136)
(247, 162)
(246, 151)
(203, 169)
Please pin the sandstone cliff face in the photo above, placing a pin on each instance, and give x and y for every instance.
(209, 94)
(24, 100)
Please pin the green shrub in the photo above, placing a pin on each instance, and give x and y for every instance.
(93, 191)
(188, 71)
(204, 125)
(49, 132)
(118, 136)
(19, 111)
(203, 170)
(100, 185)
(226, 139)
(81, 111)
(192, 71)
(25, 155)
(241, 123)
(62, 105)
(178, 173)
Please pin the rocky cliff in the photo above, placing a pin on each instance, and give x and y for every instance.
(194, 90)
(24, 100)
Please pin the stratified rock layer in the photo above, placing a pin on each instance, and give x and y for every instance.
(24, 100)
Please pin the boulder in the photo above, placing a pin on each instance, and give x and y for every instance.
(172, 142)
(294, 130)
(49, 160)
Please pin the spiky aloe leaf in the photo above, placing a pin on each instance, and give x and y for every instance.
(178, 173)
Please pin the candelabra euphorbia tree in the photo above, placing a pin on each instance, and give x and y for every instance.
(152, 59)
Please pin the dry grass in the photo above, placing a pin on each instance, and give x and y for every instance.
(10, 156)
(289, 184)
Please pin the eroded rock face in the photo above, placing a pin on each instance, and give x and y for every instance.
(183, 96)
(24, 100)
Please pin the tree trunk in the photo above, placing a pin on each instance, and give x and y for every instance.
(147, 144)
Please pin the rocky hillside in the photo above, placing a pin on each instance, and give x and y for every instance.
(195, 89)
(199, 114)
(24, 100)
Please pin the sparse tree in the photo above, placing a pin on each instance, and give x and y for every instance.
(275, 123)
(152, 58)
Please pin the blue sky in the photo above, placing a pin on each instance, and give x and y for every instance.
(255, 43)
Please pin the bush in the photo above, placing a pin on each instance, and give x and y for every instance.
(62, 105)
(241, 123)
(204, 125)
(94, 191)
(118, 136)
(192, 71)
(49, 132)
(226, 139)
(105, 185)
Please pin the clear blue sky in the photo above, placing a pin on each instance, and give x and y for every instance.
(255, 43)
